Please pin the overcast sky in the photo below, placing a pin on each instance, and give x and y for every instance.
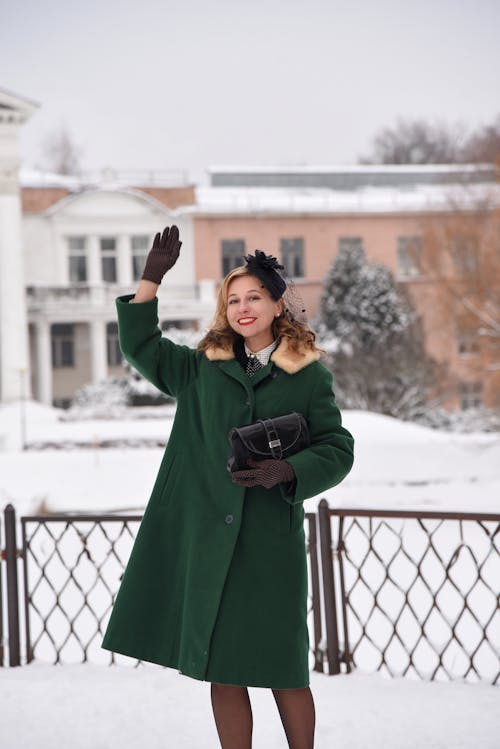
(195, 83)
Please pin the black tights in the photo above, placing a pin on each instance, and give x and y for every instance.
(233, 716)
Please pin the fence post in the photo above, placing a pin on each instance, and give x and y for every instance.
(332, 635)
(12, 589)
(2, 557)
(315, 591)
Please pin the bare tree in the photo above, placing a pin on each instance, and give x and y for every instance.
(421, 142)
(417, 142)
(484, 145)
(60, 152)
(460, 256)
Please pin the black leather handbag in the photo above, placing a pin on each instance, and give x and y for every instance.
(275, 438)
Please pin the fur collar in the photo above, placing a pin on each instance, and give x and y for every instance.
(282, 356)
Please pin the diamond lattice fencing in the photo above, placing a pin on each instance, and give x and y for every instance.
(71, 567)
(412, 593)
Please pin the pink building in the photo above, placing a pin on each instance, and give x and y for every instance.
(303, 216)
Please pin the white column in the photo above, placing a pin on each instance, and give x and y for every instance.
(124, 260)
(14, 356)
(43, 362)
(14, 349)
(98, 350)
(94, 261)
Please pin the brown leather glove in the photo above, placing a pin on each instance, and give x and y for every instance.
(163, 255)
(265, 473)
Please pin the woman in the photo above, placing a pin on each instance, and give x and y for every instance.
(216, 583)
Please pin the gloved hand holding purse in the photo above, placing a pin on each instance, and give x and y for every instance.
(265, 473)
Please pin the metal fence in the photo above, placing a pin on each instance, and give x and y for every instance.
(412, 594)
(406, 593)
(71, 566)
(72, 569)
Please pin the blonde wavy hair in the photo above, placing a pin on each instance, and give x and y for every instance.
(221, 335)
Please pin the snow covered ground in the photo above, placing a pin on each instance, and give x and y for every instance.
(94, 707)
(398, 466)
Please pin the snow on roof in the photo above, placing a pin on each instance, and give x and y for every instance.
(351, 168)
(37, 178)
(108, 177)
(296, 199)
(362, 200)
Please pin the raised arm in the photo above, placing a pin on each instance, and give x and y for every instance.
(167, 365)
(162, 256)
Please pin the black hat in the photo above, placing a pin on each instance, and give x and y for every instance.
(265, 267)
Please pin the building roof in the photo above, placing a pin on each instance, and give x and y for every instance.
(43, 190)
(351, 177)
(306, 190)
(15, 108)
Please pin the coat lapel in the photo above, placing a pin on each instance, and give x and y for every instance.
(234, 369)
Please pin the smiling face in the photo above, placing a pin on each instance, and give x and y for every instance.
(251, 311)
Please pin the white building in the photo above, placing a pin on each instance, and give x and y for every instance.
(14, 360)
(68, 248)
(80, 253)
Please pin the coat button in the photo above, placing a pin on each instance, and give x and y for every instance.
(247, 403)
(229, 519)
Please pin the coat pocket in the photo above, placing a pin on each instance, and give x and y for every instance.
(167, 482)
(287, 516)
(291, 517)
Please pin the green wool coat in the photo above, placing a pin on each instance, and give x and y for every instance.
(216, 583)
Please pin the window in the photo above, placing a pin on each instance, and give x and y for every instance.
(114, 353)
(464, 251)
(77, 247)
(140, 249)
(467, 343)
(232, 254)
(467, 338)
(292, 256)
(108, 259)
(63, 344)
(471, 395)
(409, 257)
(350, 244)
